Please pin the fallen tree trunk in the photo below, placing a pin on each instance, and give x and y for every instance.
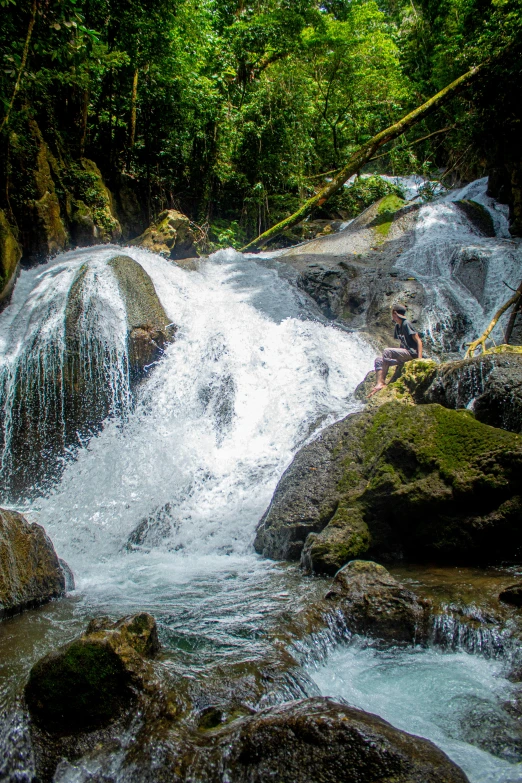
(364, 155)
(480, 342)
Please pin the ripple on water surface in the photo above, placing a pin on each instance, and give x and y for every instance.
(457, 700)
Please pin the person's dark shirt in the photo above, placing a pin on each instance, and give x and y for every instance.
(404, 333)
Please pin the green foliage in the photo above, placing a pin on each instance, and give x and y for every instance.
(364, 192)
(229, 110)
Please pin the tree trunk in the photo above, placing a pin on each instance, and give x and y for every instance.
(364, 155)
(480, 342)
(85, 117)
(134, 98)
(22, 64)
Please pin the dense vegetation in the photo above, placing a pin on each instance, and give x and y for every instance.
(233, 111)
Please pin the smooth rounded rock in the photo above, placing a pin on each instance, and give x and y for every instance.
(320, 741)
(373, 602)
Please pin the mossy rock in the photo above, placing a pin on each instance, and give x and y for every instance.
(387, 208)
(426, 481)
(82, 686)
(91, 681)
(345, 537)
(10, 255)
(170, 235)
(148, 324)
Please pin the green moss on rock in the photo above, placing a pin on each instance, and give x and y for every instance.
(416, 480)
(87, 683)
(386, 211)
(10, 254)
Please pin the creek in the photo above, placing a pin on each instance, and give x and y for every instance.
(197, 450)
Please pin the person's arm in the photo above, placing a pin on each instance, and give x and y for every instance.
(419, 345)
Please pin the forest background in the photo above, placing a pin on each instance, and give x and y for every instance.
(235, 112)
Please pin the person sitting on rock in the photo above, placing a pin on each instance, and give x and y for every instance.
(411, 348)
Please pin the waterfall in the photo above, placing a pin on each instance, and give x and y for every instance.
(64, 329)
(250, 376)
(465, 273)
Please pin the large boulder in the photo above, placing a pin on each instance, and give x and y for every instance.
(419, 480)
(75, 392)
(170, 235)
(149, 330)
(10, 254)
(374, 603)
(317, 739)
(351, 274)
(30, 572)
(89, 682)
(491, 384)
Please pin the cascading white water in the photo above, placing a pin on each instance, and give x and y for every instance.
(247, 380)
(251, 375)
(458, 700)
(465, 273)
(33, 354)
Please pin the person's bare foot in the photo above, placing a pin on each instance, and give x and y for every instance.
(376, 388)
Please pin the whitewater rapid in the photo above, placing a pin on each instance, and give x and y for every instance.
(250, 376)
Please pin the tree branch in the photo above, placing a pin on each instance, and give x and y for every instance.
(364, 154)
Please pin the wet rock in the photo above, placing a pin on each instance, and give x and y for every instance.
(351, 274)
(373, 602)
(10, 254)
(424, 480)
(68, 575)
(30, 571)
(319, 740)
(512, 595)
(478, 215)
(89, 682)
(491, 384)
(170, 235)
(149, 328)
(345, 537)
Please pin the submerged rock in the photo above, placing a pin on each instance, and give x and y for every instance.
(89, 682)
(30, 572)
(373, 602)
(397, 480)
(170, 235)
(317, 739)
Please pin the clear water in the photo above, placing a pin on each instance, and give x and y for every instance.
(455, 699)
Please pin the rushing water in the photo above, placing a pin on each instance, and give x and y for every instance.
(195, 453)
(467, 275)
(453, 698)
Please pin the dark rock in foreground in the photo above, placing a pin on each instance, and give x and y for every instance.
(374, 603)
(89, 682)
(512, 595)
(415, 480)
(319, 741)
(30, 572)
